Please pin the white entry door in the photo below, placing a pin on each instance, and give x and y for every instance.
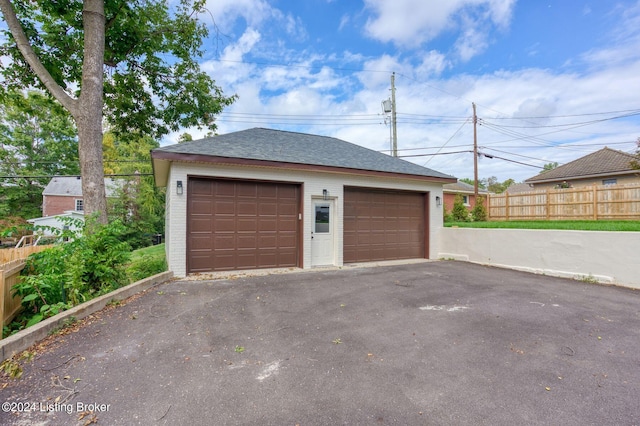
(322, 233)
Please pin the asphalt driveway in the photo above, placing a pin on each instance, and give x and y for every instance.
(425, 343)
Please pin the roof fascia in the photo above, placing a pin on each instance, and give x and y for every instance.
(199, 158)
(597, 175)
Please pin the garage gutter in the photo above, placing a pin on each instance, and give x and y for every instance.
(161, 161)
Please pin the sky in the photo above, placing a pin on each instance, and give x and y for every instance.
(552, 81)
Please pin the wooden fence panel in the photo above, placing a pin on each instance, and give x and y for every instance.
(611, 202)
(7, 255)
(9, 276)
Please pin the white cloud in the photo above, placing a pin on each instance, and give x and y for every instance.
(226, 12)
(432, 63)
(344, 21)
(411, 23)
(470, 43)
(236, 51)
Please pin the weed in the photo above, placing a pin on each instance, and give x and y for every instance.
(589, 279)
(12, 367)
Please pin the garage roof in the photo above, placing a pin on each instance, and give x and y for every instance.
(277, 146)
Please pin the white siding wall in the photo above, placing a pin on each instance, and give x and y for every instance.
(312, 185)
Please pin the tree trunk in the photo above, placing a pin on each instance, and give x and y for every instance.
(87, 109)
(88, 117)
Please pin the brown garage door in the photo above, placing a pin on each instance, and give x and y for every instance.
(383, 225)
(241, 225)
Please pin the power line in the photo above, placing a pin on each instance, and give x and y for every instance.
(579, 124)
(449, 140)
(479, 154)
(517, 155)
(74, 176)
(544, 117)
(437, 153)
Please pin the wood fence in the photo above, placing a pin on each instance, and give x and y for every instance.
(7, 255)
(9, 276)
(12, 262)
(597, 202)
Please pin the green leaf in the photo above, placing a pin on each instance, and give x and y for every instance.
(30, 297)
(34, 320)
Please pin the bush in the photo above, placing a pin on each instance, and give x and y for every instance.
(68, 274)
(97, 262)
(146, 266)
(459, 213)
(446, 216)
(479, 212)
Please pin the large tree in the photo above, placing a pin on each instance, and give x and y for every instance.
(37, 140)
(131, 63)
(137, 202)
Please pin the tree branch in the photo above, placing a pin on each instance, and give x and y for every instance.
(32, 59)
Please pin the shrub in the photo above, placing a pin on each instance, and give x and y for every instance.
(146, 266)
(68, 274)
(446, 216)
(479, 212)
(459, 211)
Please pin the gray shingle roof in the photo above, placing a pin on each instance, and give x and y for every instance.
(298, 148)
(600, 163)
(72, 186)
(462, 187)
(517, 188)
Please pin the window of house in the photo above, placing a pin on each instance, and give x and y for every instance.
(465, 200)
(79, 206)
(609, 181)
(322, 218)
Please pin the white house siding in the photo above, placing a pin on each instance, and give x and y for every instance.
(43, 224)
(312, 185)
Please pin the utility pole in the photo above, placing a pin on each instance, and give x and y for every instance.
(475, 152)
(393, 114)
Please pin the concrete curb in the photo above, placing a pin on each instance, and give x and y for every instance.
(24, 339)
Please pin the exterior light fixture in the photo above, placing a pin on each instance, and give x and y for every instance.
(325, 194)
(438, 201)
(179, 188)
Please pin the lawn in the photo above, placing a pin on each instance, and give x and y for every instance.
(575, 225)
(156, 251)
(146, 262)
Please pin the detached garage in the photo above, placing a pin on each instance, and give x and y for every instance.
(234, 224)
(263, 198)
(383, 225)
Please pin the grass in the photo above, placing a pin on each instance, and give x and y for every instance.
(574, 225)
(146, 262)
(156, 251)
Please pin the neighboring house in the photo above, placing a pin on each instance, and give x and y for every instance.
(43, 225)
(604, 167)
(64, 194)
(465, 190)
(62, 197)
(518, 188)
(263, 198)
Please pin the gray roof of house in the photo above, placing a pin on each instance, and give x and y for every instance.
(517, 188)
(604, 162)
(72, 186)
(462, 187)
(298, 148)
